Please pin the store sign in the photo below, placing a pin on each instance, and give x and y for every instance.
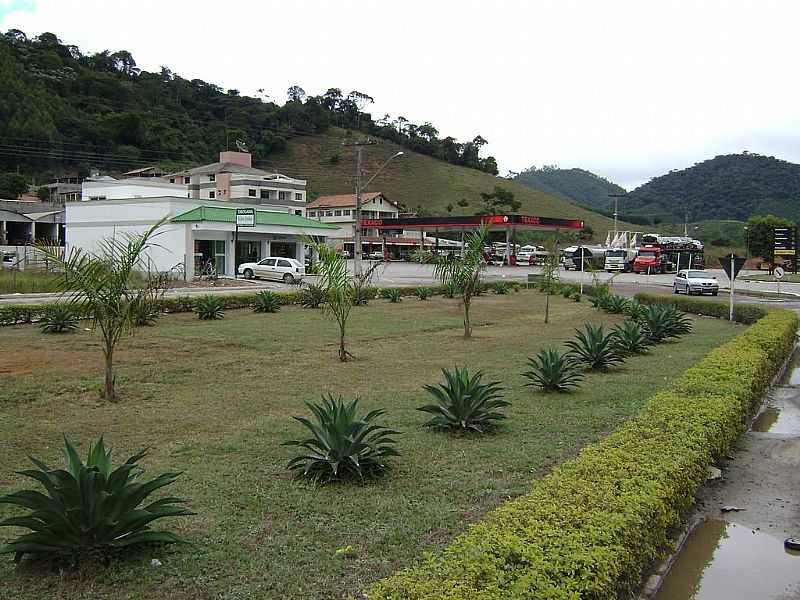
(785, 241)
(245, 217)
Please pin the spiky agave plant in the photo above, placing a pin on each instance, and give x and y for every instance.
(90, 509)
(266, 302)
(553, 371)
(663, 322)
(393, 295)
(59, 318)
(423, 293)
(464, 402)
(631, 338)
(209, 308)
(616, 304)
(594, 348)
(343, 444)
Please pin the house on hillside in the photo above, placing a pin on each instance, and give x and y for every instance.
(199, 208)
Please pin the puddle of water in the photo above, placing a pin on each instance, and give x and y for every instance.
(766, 419)
(783, 416)
(724, 561)
(792, 374)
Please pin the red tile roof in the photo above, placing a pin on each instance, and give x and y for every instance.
(345, 200)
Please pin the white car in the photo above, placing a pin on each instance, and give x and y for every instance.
(691, 281)
(525, 257)
(287, 270)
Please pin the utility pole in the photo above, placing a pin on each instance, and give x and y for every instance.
(686, 222)
(357, 225)
(616, 198)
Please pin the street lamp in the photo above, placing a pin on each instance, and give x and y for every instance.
(746, 241)
(359, 189)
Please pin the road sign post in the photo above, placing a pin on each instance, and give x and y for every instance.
(731, 264)
(784, 244)
(245, 217)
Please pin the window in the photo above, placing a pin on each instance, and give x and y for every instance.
(212, 177)
(312, 213)
(329, 213)
(212, 194)
(283, 196)
(265, 194)
(268, 262)
(251, 192)
(284, 263)
(337, 213)
(172, 180)
(346, 212)
(187, 180)
(299, 213)
(298, 196)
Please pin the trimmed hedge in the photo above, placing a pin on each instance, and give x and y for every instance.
(742, 313)
(18, 314)
(590, 528)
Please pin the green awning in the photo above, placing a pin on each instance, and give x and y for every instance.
(263, 217)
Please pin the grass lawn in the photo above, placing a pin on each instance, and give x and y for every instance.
(13, 281)
(788, 278)
(214, 399)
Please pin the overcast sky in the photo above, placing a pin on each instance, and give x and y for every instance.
(627, 89)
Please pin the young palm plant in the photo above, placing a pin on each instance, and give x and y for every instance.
(553, 371)
(59, 318)
(464, 403)
(209, 308)
(312, 296)
(463, 273)
(103, 285)
(594, 348)
(343, 444)
(631, 338)
(90, 509)
(266, 302)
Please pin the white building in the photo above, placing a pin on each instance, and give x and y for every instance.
(198, 207)
(340, 210)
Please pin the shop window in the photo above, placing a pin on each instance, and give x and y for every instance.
(212, 195)
(251, 192)
(212, 177)
(187, 180)
(337, 213)
(298, 196)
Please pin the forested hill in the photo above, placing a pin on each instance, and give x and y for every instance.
(576, 185)
(61, 108)
(732, 186)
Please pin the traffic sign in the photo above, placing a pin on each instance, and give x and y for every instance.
(778, 273)
(732, 261)
(245, 217)
(784, 241)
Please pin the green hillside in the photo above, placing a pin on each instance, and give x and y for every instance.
(576, 185)
(733, 186)
(415, 180)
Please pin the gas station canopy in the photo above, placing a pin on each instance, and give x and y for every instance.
(495, 223)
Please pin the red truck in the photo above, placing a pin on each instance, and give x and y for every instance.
(651, 260)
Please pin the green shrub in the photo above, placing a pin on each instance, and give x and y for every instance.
(59, 318)
(362, 295)
(631, 338)
(90, 510)
(662, 322)
(594, 348)
(576, 296)
(593, 526)
(423, 293)
(266, 302)
(184, 304)
(392, 294)
(553, 371)
(312, 296)
(501, 288)
(464, 403)
(449, 290)
(743, 313)
(616, 304)
(343, 444)
(209, 308)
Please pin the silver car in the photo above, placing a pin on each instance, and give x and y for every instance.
(287, 270)
(691, 281)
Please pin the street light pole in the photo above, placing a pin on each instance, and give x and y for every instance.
(616, 198)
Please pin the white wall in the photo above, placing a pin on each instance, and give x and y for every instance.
(131, 188)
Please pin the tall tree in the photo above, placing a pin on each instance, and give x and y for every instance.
(464, 272)
(12, 185)
(295, 93)
(499, 202)
(760, 234)
(551, 272)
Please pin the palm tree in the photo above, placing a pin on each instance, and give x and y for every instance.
(551, 270)
(103, 285)
(464, 272)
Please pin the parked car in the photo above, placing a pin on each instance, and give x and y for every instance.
(7, 260)
(690, 282)
(287, 270)
(525, 257)
(375, 255)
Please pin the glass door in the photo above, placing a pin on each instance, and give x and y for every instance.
(219, 256)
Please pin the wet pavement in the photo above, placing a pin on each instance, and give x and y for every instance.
(739, 554)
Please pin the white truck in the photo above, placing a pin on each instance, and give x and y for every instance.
(619, 259)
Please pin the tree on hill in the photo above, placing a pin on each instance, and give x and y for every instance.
(576, 185)
(499, 202)
(760, 234)
(12, 185)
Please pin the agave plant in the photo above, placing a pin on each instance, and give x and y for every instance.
(392, 294)
(631, 338)
(600, 301)
(502, 288)
(594, 348)
(266, 302)
(663, 322)
(634, 309)
(616, 304)
(553, 371)
(464, 402)
(145, 312)
(59, 318)
(311, 296)
(343, 444)
(90, 509)
(209, 308)
(423, 293)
